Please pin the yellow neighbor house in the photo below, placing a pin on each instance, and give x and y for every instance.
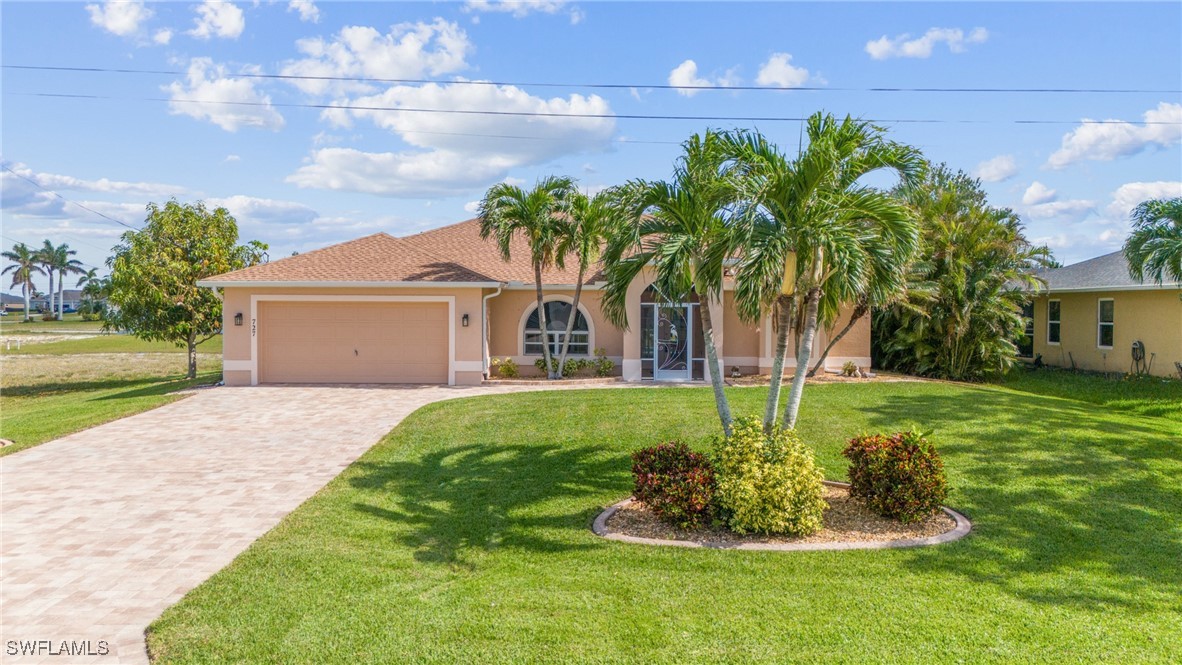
(1093, 316)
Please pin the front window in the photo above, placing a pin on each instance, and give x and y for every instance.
(557, 314)
(1053, 308)
(1106, 323)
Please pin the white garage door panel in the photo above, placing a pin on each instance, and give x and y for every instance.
(355, 342)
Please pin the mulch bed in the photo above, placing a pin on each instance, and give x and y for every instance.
(846, 520)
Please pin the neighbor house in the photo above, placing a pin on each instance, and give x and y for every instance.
(437, 306)
(1093, 316)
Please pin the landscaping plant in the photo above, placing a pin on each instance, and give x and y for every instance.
(603, 365)
(899, 476)
(675, 483)
(849, 368)
(506, 367)
(768, 482)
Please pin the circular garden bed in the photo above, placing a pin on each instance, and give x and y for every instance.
(847, 524)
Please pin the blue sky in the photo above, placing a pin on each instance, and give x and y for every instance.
(299, 178)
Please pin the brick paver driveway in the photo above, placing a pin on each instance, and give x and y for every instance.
(104, 529)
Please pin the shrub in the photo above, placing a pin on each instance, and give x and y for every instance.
(506, 367)
(675, 483)
(849, 368)
(572, 367)
(602, 364)
(768, 483)
(899, 476)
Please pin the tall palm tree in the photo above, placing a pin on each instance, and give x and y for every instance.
(814, 224)
(588, 223)
(1154, 249)
(537, 215)
(46, 258)
(65, 266)
(682, 229)
(25, 264)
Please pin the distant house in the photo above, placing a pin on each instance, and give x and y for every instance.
(1092, 315)
(12, 303)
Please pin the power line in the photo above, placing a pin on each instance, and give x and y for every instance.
(608, 86)
(92, 210)
(604, 116)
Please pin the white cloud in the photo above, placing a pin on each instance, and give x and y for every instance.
(307, 9)
(14, 185)
(779, 71)
(686, 74)
(472, 207)
(162, 36)
(998, 169)
(1053, 209)
(455, 153)
(232, 158)
(1109, 140)
(250, 209)
(523, 8)
(1130, 195)
(229, 103)
(1038, 193)
(218, 18)
(409, 50)
(903, 46)
(119, 17)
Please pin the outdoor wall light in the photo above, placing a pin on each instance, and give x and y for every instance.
(464, 321)
(238, 319)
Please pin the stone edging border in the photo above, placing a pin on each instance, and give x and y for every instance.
(963, 526)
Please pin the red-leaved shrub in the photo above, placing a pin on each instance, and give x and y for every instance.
(675, 483)
(899, 476)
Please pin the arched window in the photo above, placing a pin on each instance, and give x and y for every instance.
(557, 313)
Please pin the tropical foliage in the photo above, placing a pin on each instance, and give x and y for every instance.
(974, 272)
(588, 222)
(899, 476)
(154, 274)
(25, 264)
(675, 483)
(1154, 248)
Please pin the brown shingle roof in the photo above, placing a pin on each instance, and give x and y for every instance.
(453, 253)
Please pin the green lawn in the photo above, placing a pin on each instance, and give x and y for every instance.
(1143, 395)
(15, 324)
(109, 344)
(463, 537)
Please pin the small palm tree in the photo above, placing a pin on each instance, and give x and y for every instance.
(588, 223)
(1154, 249)
(813, 207)
(537, 215)
(683, 230)
(25, 264)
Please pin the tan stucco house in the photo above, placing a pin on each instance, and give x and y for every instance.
(1090, 315)
(437, 306)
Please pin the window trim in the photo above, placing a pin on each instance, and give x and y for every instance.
(1101, 323)
(533, 304)
(1058, 321)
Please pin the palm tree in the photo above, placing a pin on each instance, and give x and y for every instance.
(1154, 248)
(507, 211)
(683, 230)
(65, 266)
(814, 225)
(587, 224)
(46, 258)
(25, 264)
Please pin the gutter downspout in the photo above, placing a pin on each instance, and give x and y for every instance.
(484, 328)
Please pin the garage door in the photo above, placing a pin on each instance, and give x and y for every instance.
(363, 342)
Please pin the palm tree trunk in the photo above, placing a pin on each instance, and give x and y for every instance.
(61, 292)
(792, 409)
(724, 407)
(50, 293)
(570, 323)
(771, 410)
(25, 292)
(542, 321)
(860, 310)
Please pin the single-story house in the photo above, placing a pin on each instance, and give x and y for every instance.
(12, 302)
(435, 307)
(1094, 316)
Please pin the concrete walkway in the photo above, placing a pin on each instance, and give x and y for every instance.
(104, 529)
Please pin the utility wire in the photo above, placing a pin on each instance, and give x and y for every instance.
(604, 86)
(92, 210)
(606, 116)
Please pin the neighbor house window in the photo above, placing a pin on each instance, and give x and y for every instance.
(557, 314)
(1053, 308)
(1105, 326)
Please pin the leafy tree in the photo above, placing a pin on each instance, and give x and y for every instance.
(977, 268)
(537, 215)
(811, 222)
(1154, 249)
(25, 264)
(154, 273)
(588, 223)
(683, 229)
